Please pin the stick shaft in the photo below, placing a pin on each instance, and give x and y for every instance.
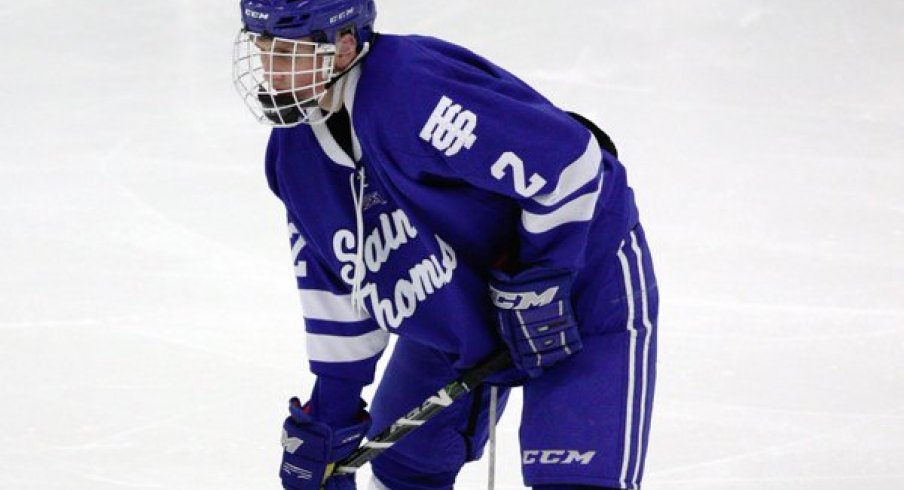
(422, 413)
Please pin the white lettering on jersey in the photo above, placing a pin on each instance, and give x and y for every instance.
(394, 231)
(424, 279)
(522, 187)
(450, 128)
(556, 456)
(301, 266)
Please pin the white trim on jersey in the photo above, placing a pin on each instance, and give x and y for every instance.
(576, 175)
(348, 96)
(335, 348)
(324, 305)
(330, 146)
(579, 209)
(322, 131)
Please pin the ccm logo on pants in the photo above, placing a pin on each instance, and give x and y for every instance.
(556, 456)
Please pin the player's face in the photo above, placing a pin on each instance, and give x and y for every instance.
(292, 67)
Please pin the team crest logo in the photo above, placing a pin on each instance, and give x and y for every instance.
(450, 128)
(372, 199)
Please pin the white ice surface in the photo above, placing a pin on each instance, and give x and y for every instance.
(149, 328)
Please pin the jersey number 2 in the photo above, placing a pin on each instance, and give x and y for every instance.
(301, 266)
(523, 187)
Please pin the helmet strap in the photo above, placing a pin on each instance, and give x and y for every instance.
(336, 85)
(365, 48)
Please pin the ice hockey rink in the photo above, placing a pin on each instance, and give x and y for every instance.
(150, 332)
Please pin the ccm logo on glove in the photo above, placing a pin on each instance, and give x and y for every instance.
(522, 301)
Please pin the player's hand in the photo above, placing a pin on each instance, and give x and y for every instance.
(535, 317)
(310, 447)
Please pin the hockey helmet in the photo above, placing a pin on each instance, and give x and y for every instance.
(284, 55)
(321, 20)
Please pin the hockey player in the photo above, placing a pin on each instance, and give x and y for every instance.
(433, 195)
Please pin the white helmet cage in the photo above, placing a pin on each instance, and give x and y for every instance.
(283, 81)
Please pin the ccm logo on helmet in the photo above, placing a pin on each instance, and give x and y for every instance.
(557, 456)
(522, 301)
(257, 15)
(342, 16)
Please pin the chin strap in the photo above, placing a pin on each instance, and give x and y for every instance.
(337, 85)
(337, 82)
(365, 48)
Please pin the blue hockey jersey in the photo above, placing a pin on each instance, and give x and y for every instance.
(457, 167)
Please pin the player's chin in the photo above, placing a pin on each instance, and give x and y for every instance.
(304, 98)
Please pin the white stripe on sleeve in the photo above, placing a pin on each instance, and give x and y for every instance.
(324, 305)
(579, 209)
(334, 348)
(575, 175)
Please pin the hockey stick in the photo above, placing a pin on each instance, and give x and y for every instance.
(420, 414)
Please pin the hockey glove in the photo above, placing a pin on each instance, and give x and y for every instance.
(310, 448)
(535, 317)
